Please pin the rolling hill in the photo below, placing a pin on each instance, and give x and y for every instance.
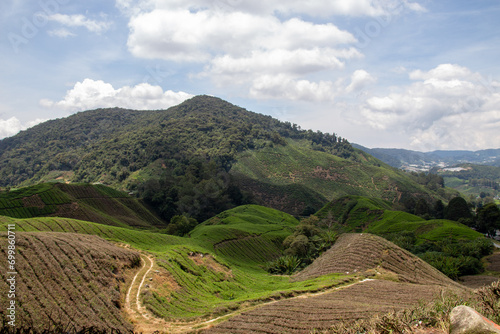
(218, 271)
(362, 252)
(366, 255)
(400, 157)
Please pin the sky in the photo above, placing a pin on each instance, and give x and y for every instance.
(414, 74)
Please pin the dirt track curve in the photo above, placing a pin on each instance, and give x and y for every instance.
(146, 323)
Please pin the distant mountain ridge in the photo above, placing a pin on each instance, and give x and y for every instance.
(402, 158)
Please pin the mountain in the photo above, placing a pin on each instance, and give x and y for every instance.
(414, 160)
(201, 157)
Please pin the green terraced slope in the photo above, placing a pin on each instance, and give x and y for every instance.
(96, 203)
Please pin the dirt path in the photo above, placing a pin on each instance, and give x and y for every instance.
(147, 323)
(143, 321)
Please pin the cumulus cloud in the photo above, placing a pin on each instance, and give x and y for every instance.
(92, 94)
(285, 87)
(245, 43)
(11, 126)
(359, 80)
(447, 106)
(79, 20)
(262, 47)
(198, 36)
(296, 62)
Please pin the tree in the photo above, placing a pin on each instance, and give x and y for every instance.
(457, 208)
(439, 209)
(181, 225)
(488, 219)
(422, 208)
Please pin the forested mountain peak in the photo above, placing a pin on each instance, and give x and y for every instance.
(108, 145)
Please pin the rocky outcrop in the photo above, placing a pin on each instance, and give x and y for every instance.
(465, 320)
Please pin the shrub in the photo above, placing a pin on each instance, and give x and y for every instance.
(284, 265)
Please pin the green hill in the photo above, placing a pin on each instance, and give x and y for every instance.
(95, 203)
(216, 269)
(473, 180)
(372, 215)
(211, 155)
(451, 247)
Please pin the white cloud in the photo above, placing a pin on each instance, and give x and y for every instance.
(11, 126)
(79, 20)
(359, 80)
(198, 36)
(296, 62)
(288, 88)
(320, 8)
(62, 33)
(443, 72)
(92, 94)
(265, 49)
(446, 107)
(242, 47)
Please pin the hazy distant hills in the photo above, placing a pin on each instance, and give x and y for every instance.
(401, 158)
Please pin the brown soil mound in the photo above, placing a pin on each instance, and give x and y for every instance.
(361, 252)
(65, 279)
(319, 313)
(494, 262)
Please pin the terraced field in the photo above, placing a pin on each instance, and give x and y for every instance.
(318, 313)
(95, 203)
(362, 252)
(401, 280)
(213, 277)
(70, 280)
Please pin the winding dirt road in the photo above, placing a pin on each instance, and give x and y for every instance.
(147, 323)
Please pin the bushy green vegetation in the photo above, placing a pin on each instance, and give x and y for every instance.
(199, 189)
(474, 181)
(448, 245)
(210, 154)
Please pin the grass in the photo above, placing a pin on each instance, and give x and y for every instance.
(431, 230)
(371, 215)
(219, 267)
(235, 246)
(144, 240)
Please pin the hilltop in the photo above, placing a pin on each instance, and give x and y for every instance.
(209, 153)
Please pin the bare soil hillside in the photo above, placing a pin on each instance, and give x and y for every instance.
(66, 279)
(315, 314)
(361, 252)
